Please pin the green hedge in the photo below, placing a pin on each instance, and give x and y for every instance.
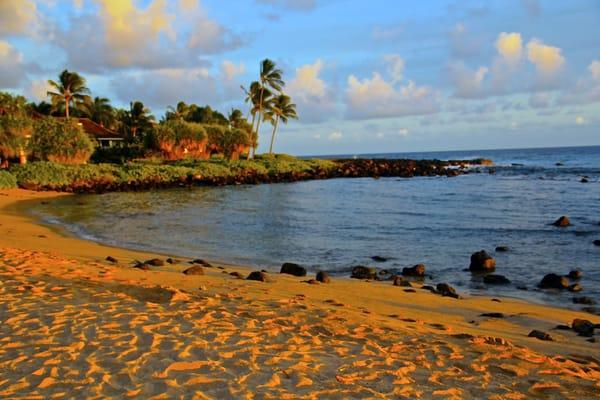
(60, 140)
(7, 180)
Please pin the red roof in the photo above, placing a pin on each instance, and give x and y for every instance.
(97, 130)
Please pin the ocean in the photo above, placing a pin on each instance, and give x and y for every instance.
(333, 225)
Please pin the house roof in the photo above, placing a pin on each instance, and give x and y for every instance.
(96, 130)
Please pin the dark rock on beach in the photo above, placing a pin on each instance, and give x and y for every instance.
(446, 290)
(236, 275)
(576, 287)
(583, 327)
(492, 315)
(379, 259)
(142, 266)
(201, 262)
(540, 335)
(258, 276)
(416, 271)
(596, 242)
(292, 269)
(195, 270)
(111, 260)
(584, 300)
(481, 261)
(362, 272)
(155, 262)
(493, 279)
(172, 261)
(501, 249)
(553, 281)
(323, 277)
(575, 274)
(562, 222)
(400, 281)
(428, 287)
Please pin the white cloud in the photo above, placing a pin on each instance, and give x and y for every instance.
(313, 97)
(396, 67)
(579, 120)
(334, 136)
(12, 72)
(230, 71)
(38, 90)
(377, 98)
(594, 69)
(510, 47)
(403, 132)
(547, 59)
(17, 16)
(468, 83)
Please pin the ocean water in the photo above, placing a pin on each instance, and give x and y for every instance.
(335, 224)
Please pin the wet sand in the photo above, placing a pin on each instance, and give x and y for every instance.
(75, 325)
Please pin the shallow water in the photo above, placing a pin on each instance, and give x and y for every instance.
(335, 224)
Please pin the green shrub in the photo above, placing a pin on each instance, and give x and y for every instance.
(14, 130)
(7, 180)
(60, 140)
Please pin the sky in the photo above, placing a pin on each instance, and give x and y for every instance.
(367, 76)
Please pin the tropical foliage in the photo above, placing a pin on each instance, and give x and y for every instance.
(281, 109)
(177, 139)
(60, 140)
(69, 92)
(7, 180)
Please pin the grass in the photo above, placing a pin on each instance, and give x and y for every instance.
(54, 176)
(7, 180)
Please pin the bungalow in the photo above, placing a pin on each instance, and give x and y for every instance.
(103, 136)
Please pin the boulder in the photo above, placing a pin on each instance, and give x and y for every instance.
(236, 275)
(142, 266)
(323, 277)
(575, 274)
(201, 262)
(195, 270)
(540, 335)
(493, 279)
(584, 180)
(362, 272)
(312, 282)
(155, 262)
(446, 290)
(416, 270)
(111, 260)
(553, 281)
(292, 269)
(562, 222)
(258, 276)
(481, 261)
(501, 249)
(492, 315)
(596, 242)
(172, 261)
(576, 287)
(379, 259)
(583, 327)
(584, 300)
(400, 281)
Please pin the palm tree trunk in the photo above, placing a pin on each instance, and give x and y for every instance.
(260, 112)
(22, 156)
(67, 107)
(273, 135)
(248, 156)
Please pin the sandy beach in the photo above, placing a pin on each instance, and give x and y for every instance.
(74, 325)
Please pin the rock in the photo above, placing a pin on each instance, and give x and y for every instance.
(172, 261)
(292, 269)
(155, 262)
(258, 276)
(583, 327)
(584, 180)
(562, 327)
(562, 222)
(195, 270)
(576, 287)
(540, 335)
(379, 259)
(492, 315)
(416, 270)
(400, 281)
(584, 300)
(559, 164)
(112, 260)
(446, 290)
(481, 261)
(236, 274)
(553, 281)
(201, 262)
(410, 291)
(312, 282)
(575, 274)
(323, 277)
(142, 266)
(428, 287)
(501, 249)
(596, 242)
(362, 272)
(493, 279)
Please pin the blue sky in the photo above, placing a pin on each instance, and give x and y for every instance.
(367, 76)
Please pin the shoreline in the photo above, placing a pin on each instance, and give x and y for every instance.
(47, 256)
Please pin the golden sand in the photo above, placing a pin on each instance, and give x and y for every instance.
(75, 326)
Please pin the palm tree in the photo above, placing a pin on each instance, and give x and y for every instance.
(138, 118)
(100, 111)
(181, 111)
(253, 96)
(281, 109)
(70, 91)
(270, 78)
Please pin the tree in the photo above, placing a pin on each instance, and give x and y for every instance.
(270, 78)
(15, 127)
(70, 91)
(253, 96)
(138, 119)
(281, 109)
(181, 111)
(60, 140)
(100, 111)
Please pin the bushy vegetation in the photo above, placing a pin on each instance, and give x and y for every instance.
(60, 140)
(177, 139)
(7, 180)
